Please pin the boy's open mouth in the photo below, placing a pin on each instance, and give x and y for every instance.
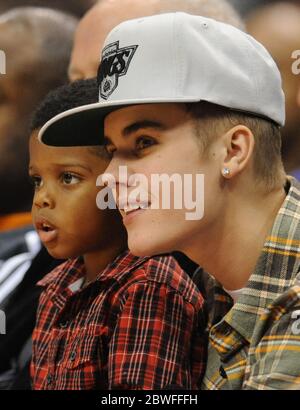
(47, 232)
(47, 228)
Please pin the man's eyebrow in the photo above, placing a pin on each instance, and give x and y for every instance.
(136, 126)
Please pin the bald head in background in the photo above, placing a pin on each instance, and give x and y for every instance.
(106, 14)
(277, 27)
(76, 7)
(37, 43)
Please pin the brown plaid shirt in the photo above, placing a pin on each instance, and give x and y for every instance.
(255, 345)
(135, 327)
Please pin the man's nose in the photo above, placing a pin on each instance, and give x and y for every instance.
(117, 175)
(118, 170)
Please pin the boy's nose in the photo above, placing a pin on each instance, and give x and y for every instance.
(43, 199)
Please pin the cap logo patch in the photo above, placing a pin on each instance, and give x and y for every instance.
(114, 64)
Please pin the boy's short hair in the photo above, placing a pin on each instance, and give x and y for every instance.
(213, 120)
(65, 98)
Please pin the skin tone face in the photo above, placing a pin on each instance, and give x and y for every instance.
(64, 207)
(278, 29)
(157, 142)
(161, 139)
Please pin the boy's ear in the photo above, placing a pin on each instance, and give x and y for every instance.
(239, 144)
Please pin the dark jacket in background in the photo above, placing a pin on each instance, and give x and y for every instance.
(20, 310)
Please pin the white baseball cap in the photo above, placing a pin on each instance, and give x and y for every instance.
(174, 58)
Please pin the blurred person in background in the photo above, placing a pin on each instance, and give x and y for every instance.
(277, 27)
(75, 7)
(106, 14)
(245, 6)
(37, 44)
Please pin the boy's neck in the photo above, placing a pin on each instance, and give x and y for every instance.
(231, 250)
(95, 262)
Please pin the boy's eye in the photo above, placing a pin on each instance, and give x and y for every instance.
(36, 181)
(69, 179)
(144, 142)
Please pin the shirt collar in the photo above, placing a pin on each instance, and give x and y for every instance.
(66, 277)
(276, 269)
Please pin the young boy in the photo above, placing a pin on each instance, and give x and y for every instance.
(106, 319)
(188, 95)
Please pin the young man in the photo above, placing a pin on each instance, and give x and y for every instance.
(188, 95)
(106, 319)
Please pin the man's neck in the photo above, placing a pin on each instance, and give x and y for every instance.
(230, 250)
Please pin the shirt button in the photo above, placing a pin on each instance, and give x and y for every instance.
(222, 372)
(63, 324)
(73, 356)
(49, 379)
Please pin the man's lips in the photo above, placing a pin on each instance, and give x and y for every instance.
(132, 214)
(46, 230)
(129, 212)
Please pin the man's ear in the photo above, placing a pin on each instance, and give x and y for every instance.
(239, 145)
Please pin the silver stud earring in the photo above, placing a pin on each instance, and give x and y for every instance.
(225, 172)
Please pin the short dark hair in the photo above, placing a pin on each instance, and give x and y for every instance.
(213, 120)
(64, 98)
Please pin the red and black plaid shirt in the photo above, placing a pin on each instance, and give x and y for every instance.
(135, 327)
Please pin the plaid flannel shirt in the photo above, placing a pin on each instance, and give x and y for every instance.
(255, 343)
(135, 327)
